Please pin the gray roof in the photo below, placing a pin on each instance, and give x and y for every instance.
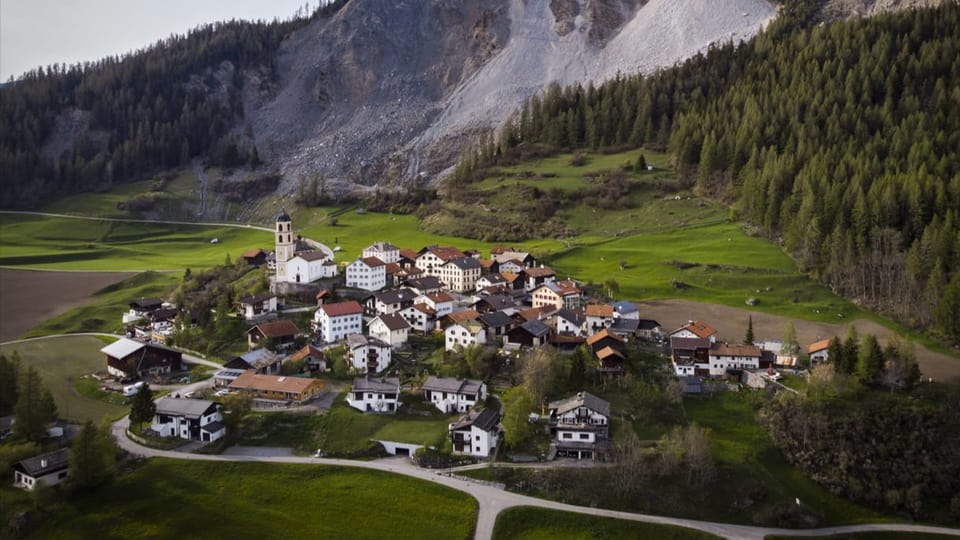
(452, 385)
(536, 328)
(122, 348)
(581, 399)
(55, 461)
(629, 326)
(256, 299)
(466, 263)
(190, 408)
(359, 340)
(498, 301)
(426, 282)
(575, 317)
(259, 358)
(648, 324)
(496, 319)
(625, 307)
(689, 344)
(213, 427)
(376, 384)
(396, 296)
(486, 420)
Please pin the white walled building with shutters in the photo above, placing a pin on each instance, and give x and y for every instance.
(309, 266)
(476, 434)
(333, 322)
(385, 251)
(367, 273)
(464, 334)
(193, 419)
(452, 395)
(377, 395)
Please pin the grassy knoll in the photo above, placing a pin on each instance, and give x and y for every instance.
(104, 312)
(81, 244)
(529, 523)
(178, 197)
(343, 430)
(182, 499)
(61, 362)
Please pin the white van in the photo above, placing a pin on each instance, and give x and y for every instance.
(133, 389)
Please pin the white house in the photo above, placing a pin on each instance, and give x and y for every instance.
(258, 305)
(194, 419)
(819, 351)
(460, 274)
(492, 280)
(309, 266)
(421, 318)
(367, 273)
(384, 251)
(570, 323)
(580, 425)
(391, 329)
(626, 310)
(368, 354)
(371, 394)
(50, 469)
(559, 294)
(696, 330)
(454, 395)
(476, 434)
(387, 302)
(332, 322)
(431, 258)
(724, 356)
(441, 302)
(464, 334)
(534, 277)
(598, 317)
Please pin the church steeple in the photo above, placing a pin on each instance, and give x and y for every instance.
(285, 244)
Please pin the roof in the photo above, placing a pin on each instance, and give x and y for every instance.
(607, 352)
(253, 253)
(498, 301)
(307, 351)
(440, 297)
(647, 324)
(576, 317)
(599, 310)
(509, 276)
(424, 283)
(339, 309)
(465, 263)
(372, 262)
(473, 326)
(376, 384)
(532, 314)
(55, 461)
(396, 296)
(272, 383)
(424, 308)
(453, 385)
(485, 419)
(147, 303)
(355, 341)
(543, 271)
(443, 253)
(382, 246)
(393, 268)
(408, 254)
(259, 358)
(283, 216)
(623, 307)
(212, 427)
(496, 319)
(190, 408)
(311, 255)
(493, 279)
(256, 299)
(581, 399)
(689, 344)
(601, 335)
(393, 322)
(699, 328)
(273, 329)
(536, 328)
(725, 349)
(621, 324)
(818, 346)
(509, 255)
(465, 315)
(122, 348)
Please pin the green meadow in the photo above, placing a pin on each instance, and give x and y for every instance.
(529, 523)
(172, 499)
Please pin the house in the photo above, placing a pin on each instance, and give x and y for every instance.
(580, 426)
(496, 325)
(441, 302)
(723, 357)
(385, 251)
(367, 354)
(476, 434)
(534, 277)
(131, 359)
(458, 317)
(649, 329)
(223, 377)
(532, 333)
(690, 355)
(424, 285)
(496, 302)
(626, 310)
(388, 302)
(625, 328)
(258, 305)
(277, 388)
(524, 259)
(367, 273)
(564, 294)
(332, 322)
(611, 360)
(140, 308)
(262, 361)
(255, 257)
(309, 266)
(313, 359)
(605, 338)
(599, 316)
(408, 259)
(491, 280)
(696, 330)
(819, 351)
(275, 335)
(391, 329)
(508, 267)
(454, 395)
(50, 469)
(421, 318)
(431, 258)
(570, 322)
(193, 419)
(372, 394)
(463, 334)
(460, 274)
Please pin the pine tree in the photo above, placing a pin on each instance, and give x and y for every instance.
(143, 408)
(748, 339)
(92, 457)
(948, 310)
(851, 352)
(35, 407)
(8, 384)
(870, 360)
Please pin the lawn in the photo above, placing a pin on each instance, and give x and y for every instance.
(182, 499)
(92, 245)
(529, 523)
(61, 361)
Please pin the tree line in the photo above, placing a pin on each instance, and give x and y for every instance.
(837, 141)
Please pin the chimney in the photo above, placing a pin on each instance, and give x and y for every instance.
(43, 463)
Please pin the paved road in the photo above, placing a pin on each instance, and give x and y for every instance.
(492, 500)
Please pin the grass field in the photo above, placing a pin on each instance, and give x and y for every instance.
(167, 499)
(528, 523)
(177, 200)
(872, 535)
(61, 361)
(83, 244)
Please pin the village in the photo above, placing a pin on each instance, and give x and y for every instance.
(382, 313)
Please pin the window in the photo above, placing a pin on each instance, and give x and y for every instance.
(478, 438)
(568, 435)
(584, 436)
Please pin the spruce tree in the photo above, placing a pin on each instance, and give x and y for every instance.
(92, 457)
(748, 339)
(35, 407)
(143, 408)
(8, 385)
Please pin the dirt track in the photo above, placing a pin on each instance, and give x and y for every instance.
(732, 325)
(32, 296)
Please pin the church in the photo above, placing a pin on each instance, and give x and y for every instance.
(296, 260)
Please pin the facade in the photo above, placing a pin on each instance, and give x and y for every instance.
(49, 469)
(534, 277)
(193, 419)
(691, 356)
(385, 251)
(723, 356)
(333, 322)
(696, 330)
(431, 258)
(476, 434)
(819, 351)
(441, 302)
(313, 359)
(570, 323)
(309, 266)
(464, 334)
(284, 244)
(496, 325)
(131, 359)
(421, 318)
(367, 273)
(460, 274)
(263, 361)
(452, 395)
(371, 394)
(368, 354)
(533, 333)
(277, 388)
(563, 294)
(599, 317)
(580, 426)
(276, 335)
(253, 307)
(626, 310)
(392, 329)
(388, 302)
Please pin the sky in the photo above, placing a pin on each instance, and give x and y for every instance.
(43, 32)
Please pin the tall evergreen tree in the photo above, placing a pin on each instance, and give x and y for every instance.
(748, 339)
(948, 310)
(92, 457)
(870, 360)
(8, 384)
(143, 408)
(35, 408)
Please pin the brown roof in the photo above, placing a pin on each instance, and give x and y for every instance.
(273, 383)
(604, 334)
(599, 310)
(486, 263)
(394, 321)
(393, 268)
(607, 352)
(425, 309)
(444, 253)
(464, 315)
(701, 329)
(532, 314)
(311, 255)
(818, 346)
(724, 349)
(409, 254)
(307, 350)
(253, 253)
(543, 271)
(440, 297)
(372, 262)
(509, 276)
(350, 307)
(274, 329)
(323, 294)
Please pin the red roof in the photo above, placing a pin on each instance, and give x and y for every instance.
(699, 328)
(275, 329)
(543, 271)
(372, 262)
(818, 346)
(599, 310)
(604, 334)
(340, 309)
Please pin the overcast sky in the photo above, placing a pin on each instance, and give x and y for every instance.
(43, 32)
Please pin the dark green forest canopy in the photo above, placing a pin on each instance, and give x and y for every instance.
(839, 141)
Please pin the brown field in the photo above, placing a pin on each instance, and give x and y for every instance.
(32, 296)
(732, 325)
